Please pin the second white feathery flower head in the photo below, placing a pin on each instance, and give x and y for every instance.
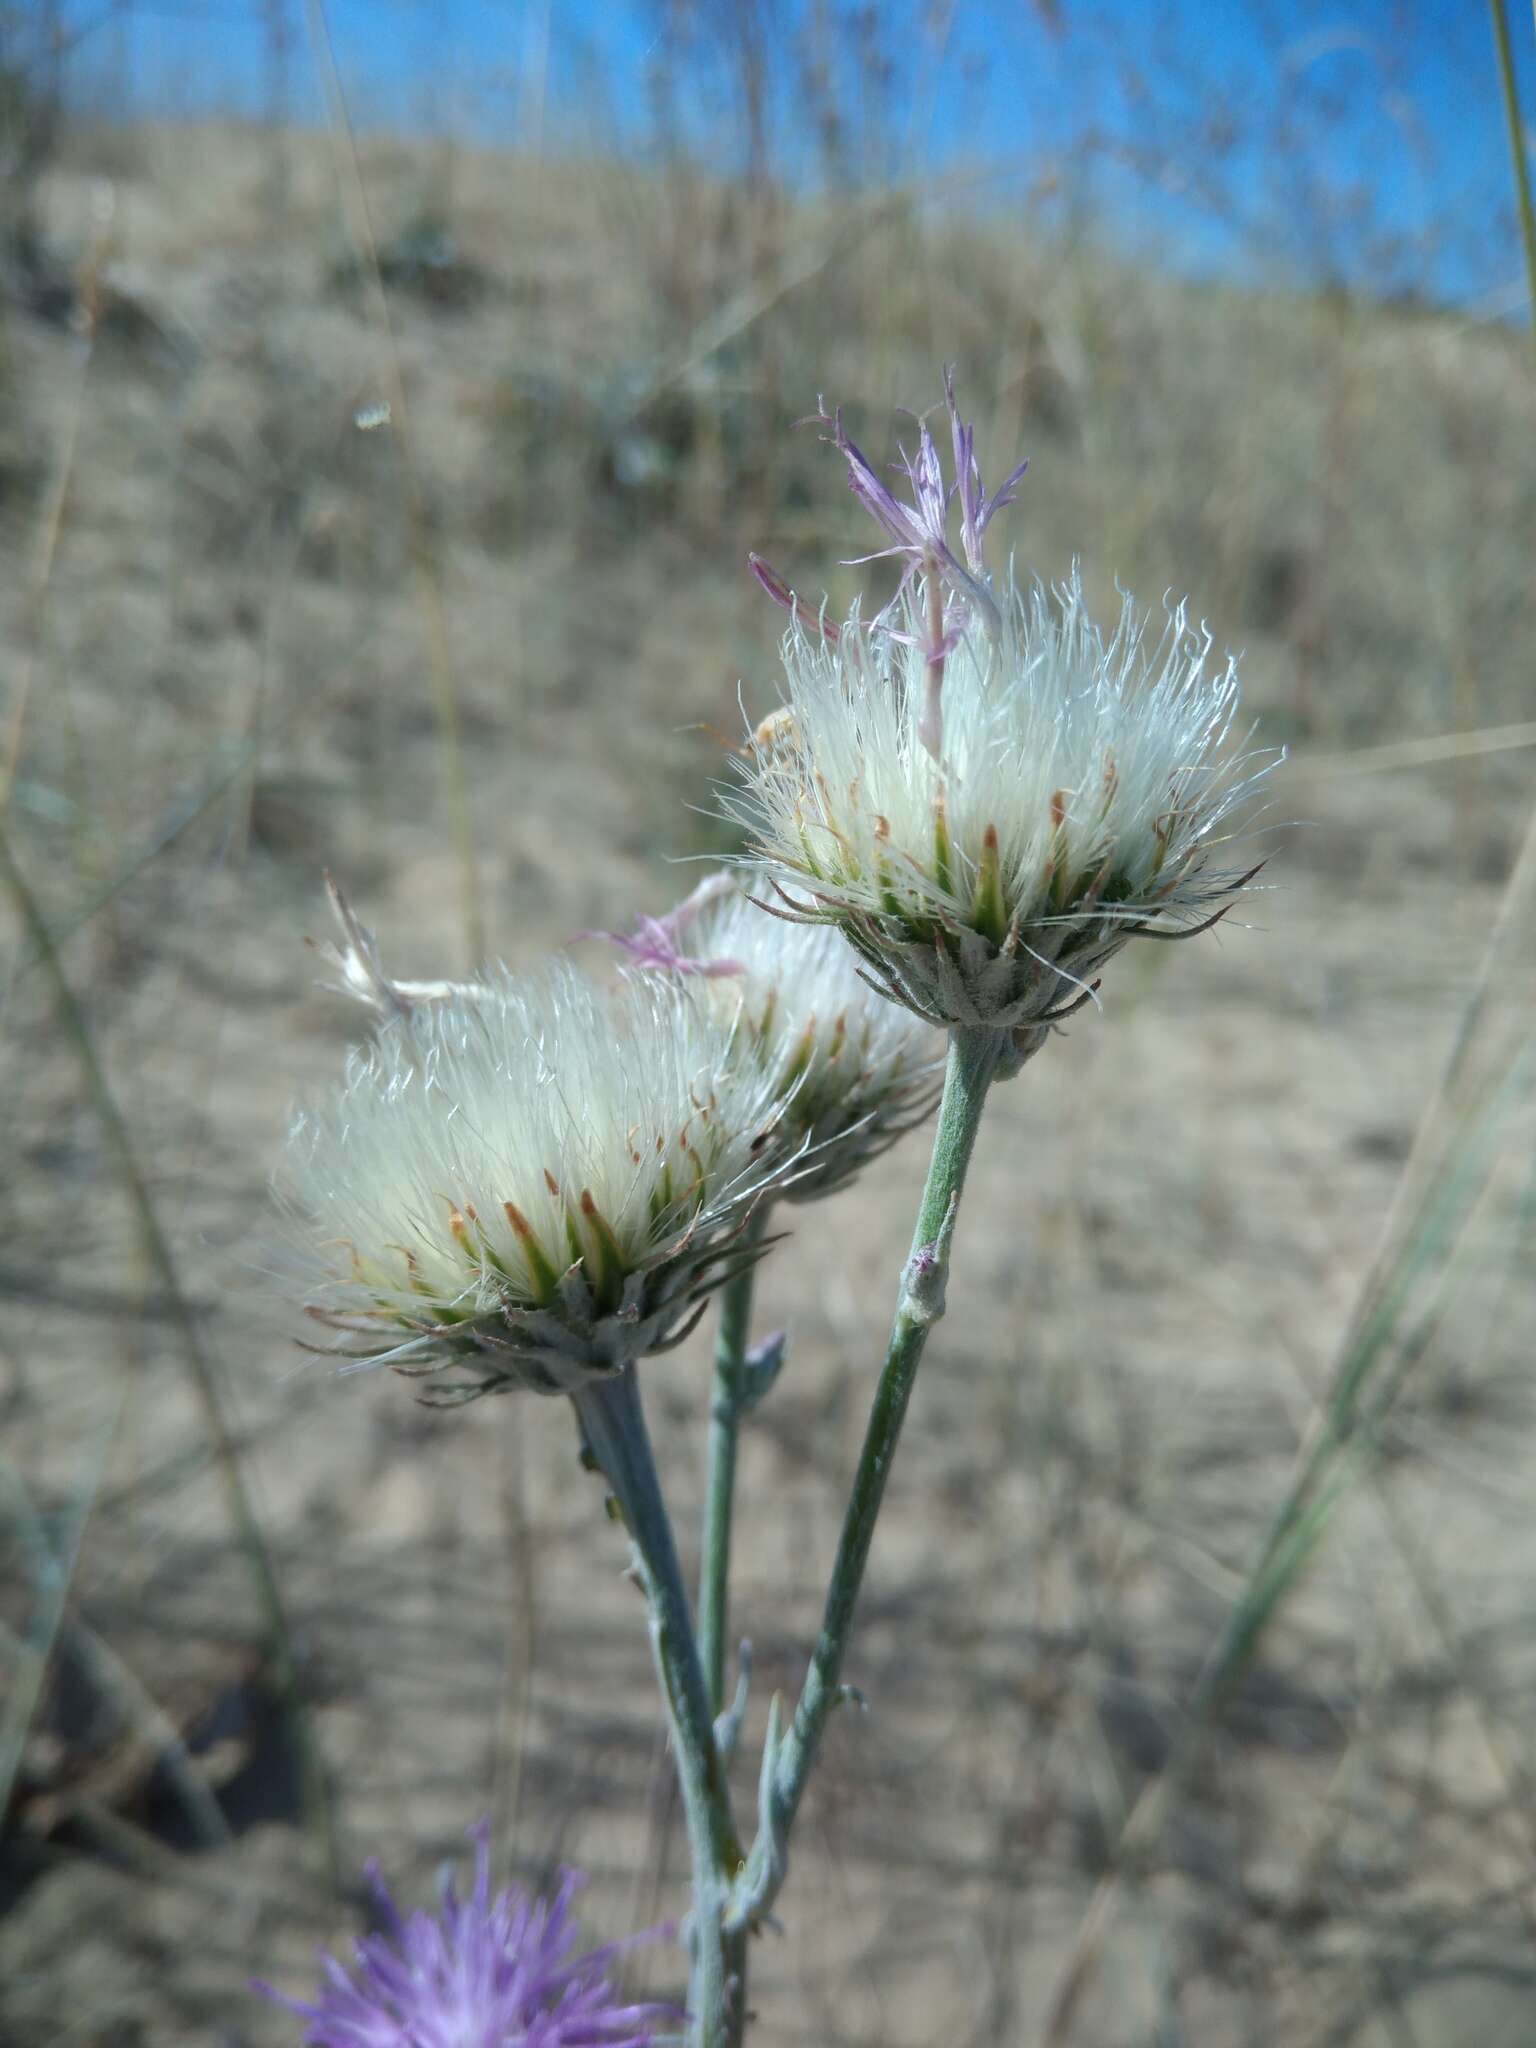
(535, 1180)
(851, 1072)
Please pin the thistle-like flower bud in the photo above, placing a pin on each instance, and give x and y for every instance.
(985, 793)
(535, 1181)
(851, 1073)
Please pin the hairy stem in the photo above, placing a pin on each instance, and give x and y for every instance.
(733, 1334)
(614, 1423)
(973, 1059)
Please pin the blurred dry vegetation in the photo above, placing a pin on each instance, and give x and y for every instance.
(381, 505)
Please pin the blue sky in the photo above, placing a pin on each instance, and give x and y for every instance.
(1360, 141)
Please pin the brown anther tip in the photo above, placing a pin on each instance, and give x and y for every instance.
(989, 839)
(551, 1183)
(521, 1228)
(1058, 808)
(588, 1206)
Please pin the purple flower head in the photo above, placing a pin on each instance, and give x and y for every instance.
(480, 1973)
(919, 531)
(954, 593)
(656, 943)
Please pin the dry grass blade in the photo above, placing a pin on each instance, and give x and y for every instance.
(200, 1367)
(450, 743)
(56, 501)
(515, 1705)
(1515, 129)
(179, 817)
(53, 1574)
(158, 1738)
(1419, 753)
(1446, 1107)
(1368, 1376)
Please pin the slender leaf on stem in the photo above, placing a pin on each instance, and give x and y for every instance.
(419, 538)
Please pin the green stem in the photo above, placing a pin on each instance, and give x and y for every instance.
(725, 1411)
(614, 1423)
(972, 1061)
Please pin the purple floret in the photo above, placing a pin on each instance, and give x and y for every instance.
(656, 943)
(955, 593)
(480, 1973)
(959, 592)
(919, 532)
(977, 510)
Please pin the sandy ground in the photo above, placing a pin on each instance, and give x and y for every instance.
(1168, 1225)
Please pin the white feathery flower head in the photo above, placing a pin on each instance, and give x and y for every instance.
(851, 1072)
(537, 1181)
(984, 791)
